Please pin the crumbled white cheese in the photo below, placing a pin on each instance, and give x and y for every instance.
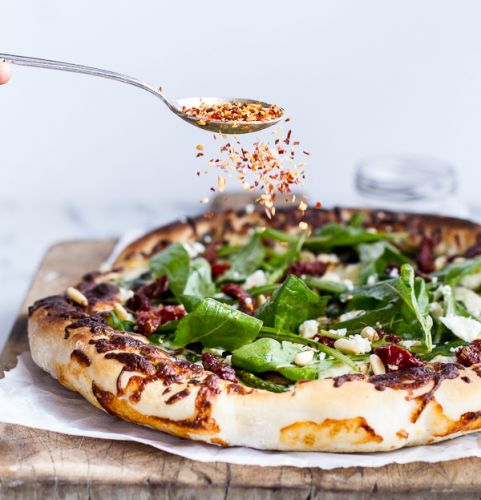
(349, 284)
(472, 281)
(322, 355)
(228, 359)
(351, 315)
(248, 302)
(436, 310)
(328, 258)
(409, 343)
(393, 368)
(309, 329)
(370, 333)
(394, 273)
(249, 208)
(304, 358)
(470, 299)
(125, 294)
(371, 230)
(434, 279)
(194, 249)
(467, 329)
(353, 345)
(372, 279)
(341, 332)
(257, 278)
(208, 238)
(377, 366)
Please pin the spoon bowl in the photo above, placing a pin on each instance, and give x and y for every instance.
(219, 126)
(225, 127)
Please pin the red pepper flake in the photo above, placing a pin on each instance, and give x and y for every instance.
(318, 204)
(307, 153)
(235, 112)
(199, 154)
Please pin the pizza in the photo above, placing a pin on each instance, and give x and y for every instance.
(333, 330)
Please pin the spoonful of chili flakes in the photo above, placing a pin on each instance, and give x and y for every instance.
(216, 114)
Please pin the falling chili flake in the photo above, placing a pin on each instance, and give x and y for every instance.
(268, 169)
(318, 204)
(199, 147)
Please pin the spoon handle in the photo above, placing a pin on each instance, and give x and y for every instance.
(87, 70)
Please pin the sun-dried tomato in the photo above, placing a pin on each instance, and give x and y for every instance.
(219, 268)
(392, 355)
(140, 301)
(425, 255)
(147, 322)
(311, 268)
(389, 337)
(473, 250)
(210, 253)
(246, 303)
(217, 366)
(470, 354)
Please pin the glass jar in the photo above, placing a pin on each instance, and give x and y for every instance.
(408, 183)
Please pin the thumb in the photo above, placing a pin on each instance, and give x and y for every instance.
(5, 72)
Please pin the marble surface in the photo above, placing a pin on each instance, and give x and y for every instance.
(28, 229)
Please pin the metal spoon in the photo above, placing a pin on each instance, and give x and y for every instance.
(174, 106)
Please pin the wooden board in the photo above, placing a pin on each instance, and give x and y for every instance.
(43, 464)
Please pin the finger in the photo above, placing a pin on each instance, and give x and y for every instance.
(5, 72)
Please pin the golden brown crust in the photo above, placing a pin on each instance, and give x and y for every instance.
(122, 374)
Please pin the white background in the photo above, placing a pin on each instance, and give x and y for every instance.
(357, 77)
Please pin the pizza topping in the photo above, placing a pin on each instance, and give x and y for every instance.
(78, 297)
(149, 321)
(394, 358)
(237, 292)
(219, 268)
(470, 354)
(425, 255)
(141, 300)
(274, 307)
(217, 366)
(310, 268)
(234, 112)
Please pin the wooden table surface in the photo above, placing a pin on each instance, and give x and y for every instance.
(40, 464)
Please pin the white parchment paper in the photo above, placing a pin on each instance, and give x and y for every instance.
(30, 397)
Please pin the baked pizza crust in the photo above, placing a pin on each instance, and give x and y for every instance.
(122, 374)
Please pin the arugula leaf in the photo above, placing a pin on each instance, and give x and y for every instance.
(117, 324)
(333, 287)
(454, 273)
(291, 304)
(384, 316)
(199, 282)
(374, 258)
(174, 262)
(334, 235)
(251, 380)
(274, 333)
(282, 263)
(247, 260)
(415, 298)
(265, 355)
(357, 220)
(370, 296)
(444, 349)
(214, 324)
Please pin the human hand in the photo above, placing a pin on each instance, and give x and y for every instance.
(5, 72)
